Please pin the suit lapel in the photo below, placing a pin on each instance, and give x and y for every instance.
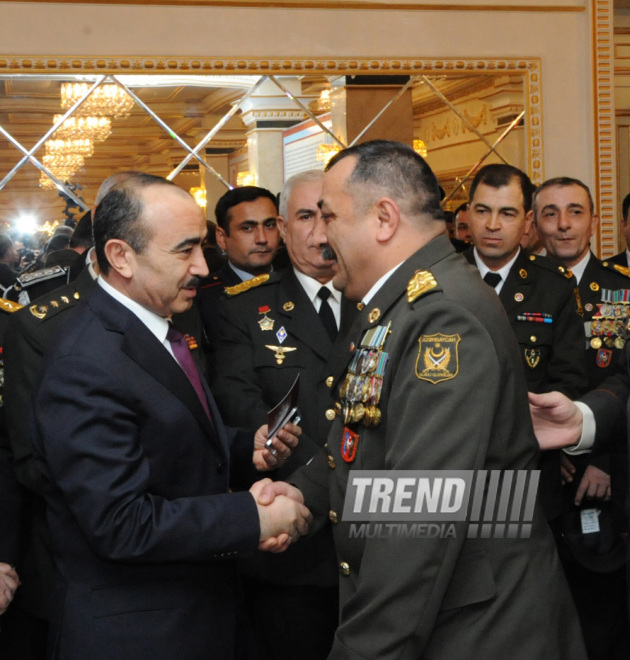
(141, 346)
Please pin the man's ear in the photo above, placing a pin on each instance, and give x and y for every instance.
(221, 238)
(282, 226)
(529, 219)
(388, 215)
(121, 257)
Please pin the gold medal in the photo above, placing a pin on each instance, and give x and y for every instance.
(596, 343)
(620, 342)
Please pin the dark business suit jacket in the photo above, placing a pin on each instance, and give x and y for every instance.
(442, 598)
(144, 532)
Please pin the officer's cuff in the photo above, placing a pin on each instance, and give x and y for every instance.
(589, 426)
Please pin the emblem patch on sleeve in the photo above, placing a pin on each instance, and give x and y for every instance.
(438, 357)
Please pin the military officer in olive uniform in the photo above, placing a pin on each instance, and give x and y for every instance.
(566, 220)
(445, 391)
(275, 327)
(537, 293)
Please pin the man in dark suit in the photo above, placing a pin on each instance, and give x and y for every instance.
(445, 391)
(271, 332)
(566, 220)
(623, 258)
(136, 460)
(247, 231)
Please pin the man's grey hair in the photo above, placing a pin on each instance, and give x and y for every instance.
(112, 181)
(308, 176)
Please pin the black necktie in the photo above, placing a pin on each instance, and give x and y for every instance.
(492, 278)
(326, 313)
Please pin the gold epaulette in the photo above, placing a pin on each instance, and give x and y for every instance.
(421, 282)
(246, 285)
(621, 269)
(9, 305)
(551, 265)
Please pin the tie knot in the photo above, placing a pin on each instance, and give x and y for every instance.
(173, 333)
(324, 293)
(492, 278)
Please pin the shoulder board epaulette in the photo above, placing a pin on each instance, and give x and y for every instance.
(551, 265)
(47, 308)
(9, 305)
(422, 282)
(40, 275)
(246, 285)
(620, 269)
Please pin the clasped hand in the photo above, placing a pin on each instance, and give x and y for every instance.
(282, 514)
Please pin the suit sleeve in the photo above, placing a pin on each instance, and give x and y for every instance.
(100, 460)
(22, 362)
(402, 582)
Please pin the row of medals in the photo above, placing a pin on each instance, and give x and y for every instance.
(610, 326)
(360, 391)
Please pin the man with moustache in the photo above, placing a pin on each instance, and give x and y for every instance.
(441, 344)
(283, 325)
(247, 232)
(566, 220)
(138, 466)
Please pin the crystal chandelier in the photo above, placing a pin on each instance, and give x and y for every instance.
(246, 178)
(199, 193)
(420, 148)
(96, 129)
(326, 151)
(108, 100)
(83, 147)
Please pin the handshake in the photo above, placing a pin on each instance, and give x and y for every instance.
(282, 514)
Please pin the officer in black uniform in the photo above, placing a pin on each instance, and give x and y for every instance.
(247, 232)
(274, 328)
(594, 561)
(537, 293)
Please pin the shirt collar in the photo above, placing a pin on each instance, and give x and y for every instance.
(243, 274)
(311, 287)
(158, 325)
(580, 267)
(379, 283)
(504, 271)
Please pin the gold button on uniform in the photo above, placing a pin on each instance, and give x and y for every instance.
(330, 414)
(533, 339)
(331, 462)
(329, 381)
(344, 568)
(332, 515)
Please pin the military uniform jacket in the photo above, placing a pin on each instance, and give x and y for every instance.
(539, 285)
(210, 292)
(250, 379)
(441, 598)
(605, 327)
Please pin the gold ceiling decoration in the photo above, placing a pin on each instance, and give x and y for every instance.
(96, 129)
(108, 100)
